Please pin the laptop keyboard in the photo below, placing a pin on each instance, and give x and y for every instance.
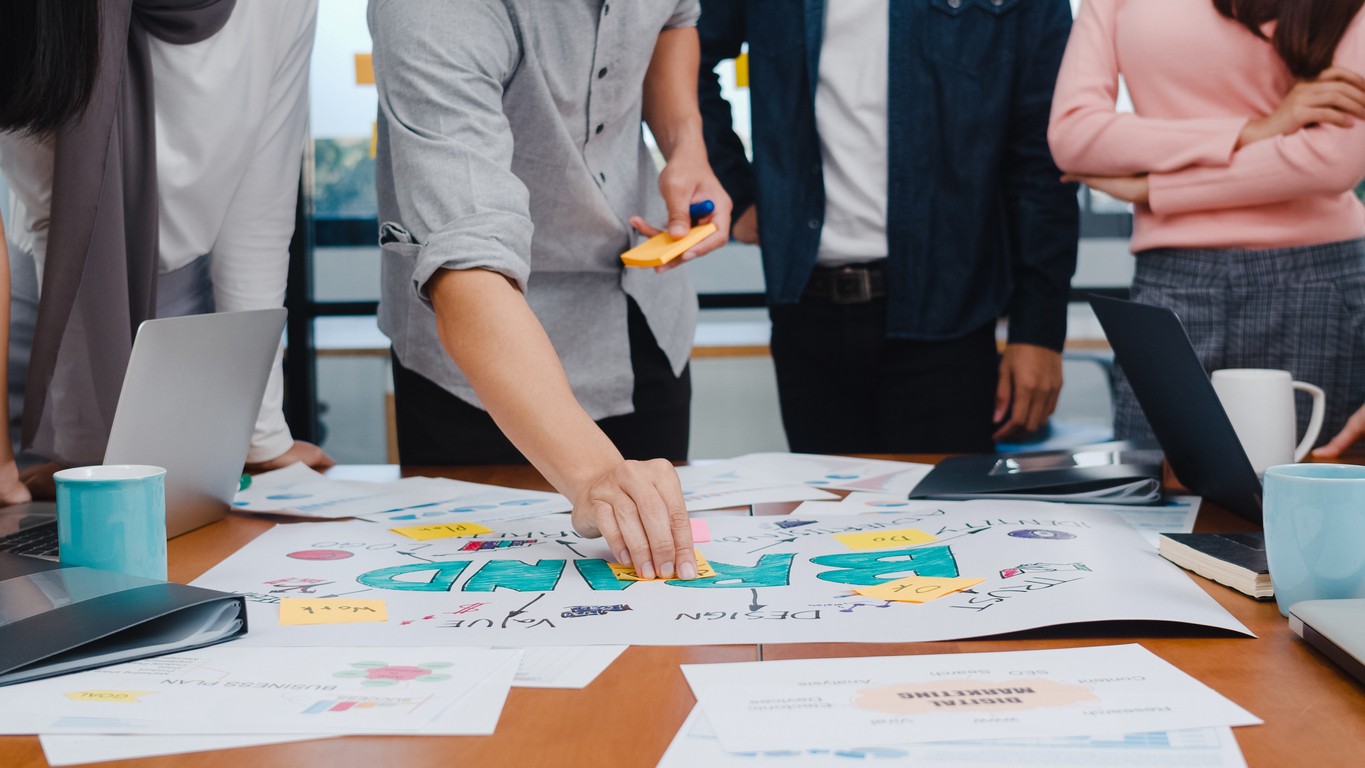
(40, 541)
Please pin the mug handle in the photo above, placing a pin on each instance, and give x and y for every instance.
(1314, 421)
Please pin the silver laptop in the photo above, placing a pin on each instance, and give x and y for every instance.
(1334, 627)
(189, 404)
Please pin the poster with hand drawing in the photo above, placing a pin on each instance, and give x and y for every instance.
(777, 579)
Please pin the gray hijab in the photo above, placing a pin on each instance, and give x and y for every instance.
(99, 279)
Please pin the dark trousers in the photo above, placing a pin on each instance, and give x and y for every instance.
(438, 428)
(846, 388)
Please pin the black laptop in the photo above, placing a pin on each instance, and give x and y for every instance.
(1175, 393)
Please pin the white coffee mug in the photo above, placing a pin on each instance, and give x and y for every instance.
(1260, 404)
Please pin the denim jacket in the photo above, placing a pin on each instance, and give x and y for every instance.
(979, 224)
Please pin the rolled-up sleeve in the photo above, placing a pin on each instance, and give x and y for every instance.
(440, 70)
(685, 14)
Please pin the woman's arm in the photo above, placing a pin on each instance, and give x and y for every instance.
(12, 489)
(1089, 137)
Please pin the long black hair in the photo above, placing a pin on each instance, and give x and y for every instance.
(1306, 31)
(49, 51)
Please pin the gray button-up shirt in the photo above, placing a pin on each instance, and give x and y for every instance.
(510, 140)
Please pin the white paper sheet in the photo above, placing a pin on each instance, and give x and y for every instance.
(1044, 565)
(874, 701)
(299, 491)
(231, 689)
(843, 472)
(564, 666)
(697, 745)
(1175, 515)
(862, 503)
(477, 712)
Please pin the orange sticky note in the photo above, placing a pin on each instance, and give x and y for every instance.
(627, 572)
(331, 610)
(901, 537)
(661, 249)
(364, 69)
(916, 589)
(441, 531)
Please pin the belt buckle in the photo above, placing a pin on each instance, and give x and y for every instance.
(851, 286)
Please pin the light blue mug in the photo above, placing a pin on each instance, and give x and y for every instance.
(113, 517)
(1315, 531)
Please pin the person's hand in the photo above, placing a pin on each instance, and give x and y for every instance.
(638, 507)
(1130, 189)
(1335, 97)
(12, 489)
(39, 480)
(1353, 431)
(745, 228)
(301, 451)
(1030, 381)
(687, 179)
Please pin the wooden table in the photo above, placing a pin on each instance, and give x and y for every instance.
(1314, 712)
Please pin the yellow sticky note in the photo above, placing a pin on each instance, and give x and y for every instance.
(364, 69)
(901, 537)
(121, 697)
(742, 71)
(627, 572)
(331, 610)
(441, 531)
(916, 589)
(661, 249)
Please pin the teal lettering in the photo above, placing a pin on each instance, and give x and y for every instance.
(771, 571)
(868, 568)
(516, 575)
(443, 576)
(600, 576)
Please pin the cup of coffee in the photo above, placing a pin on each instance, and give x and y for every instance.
(1315, 531)
(113, 517)
(1260, 404)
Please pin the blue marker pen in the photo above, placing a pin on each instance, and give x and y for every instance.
(700, 210)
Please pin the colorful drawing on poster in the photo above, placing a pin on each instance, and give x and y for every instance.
(485, 546)
(382, 674)
(1009, 573)
(575, 611)
(794, 523)
(1040, 533)
(302, 586)
(321, 554)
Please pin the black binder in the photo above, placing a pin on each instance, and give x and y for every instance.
(56, 619)
(1105, 473)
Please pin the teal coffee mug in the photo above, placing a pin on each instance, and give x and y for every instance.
(113, 517)
(1315, 531)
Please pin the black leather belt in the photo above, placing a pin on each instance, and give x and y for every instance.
(852, 284)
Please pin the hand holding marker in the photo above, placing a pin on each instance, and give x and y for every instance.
(661, 249)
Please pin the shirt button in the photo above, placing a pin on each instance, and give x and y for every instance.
(606, 9)
(602, 176)
(600, 126)
(601, 73)
(813, 223)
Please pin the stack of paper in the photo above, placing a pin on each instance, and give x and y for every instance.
(775, 477)
(1045, 703)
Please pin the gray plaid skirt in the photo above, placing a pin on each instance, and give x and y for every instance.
(1298, 309)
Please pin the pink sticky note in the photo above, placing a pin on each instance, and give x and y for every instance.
(701, 532)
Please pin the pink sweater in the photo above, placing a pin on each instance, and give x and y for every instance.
(1195, 78)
